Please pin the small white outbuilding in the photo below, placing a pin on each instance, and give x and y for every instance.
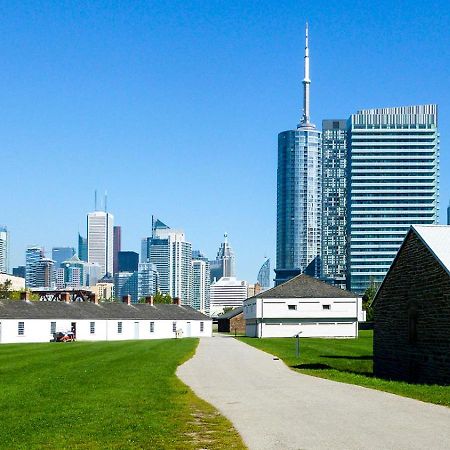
(25, 321)
(303, 305)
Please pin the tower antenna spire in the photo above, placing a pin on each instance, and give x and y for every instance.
(306, 80)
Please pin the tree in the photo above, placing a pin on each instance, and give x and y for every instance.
(367, 299)
(226, 309)
(162, 298)
(5, 289)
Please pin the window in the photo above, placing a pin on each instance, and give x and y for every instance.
(21, 328)
(202, 326)
(293, 307)
(119, 327)
(326, 306)
(92, 328)
(52, 328)
(174, 327)
(152, 327)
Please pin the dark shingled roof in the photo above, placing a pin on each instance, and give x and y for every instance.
(10, 309)
(304, 286)
(234, 312)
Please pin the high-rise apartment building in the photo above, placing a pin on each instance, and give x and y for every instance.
(200, 283)
(225, 263)
(4, 250)
(263, 278)
(61, 254)
(126, 283)
(117, 247)
(228, 292)
(32, 257)
(127, 261)
(299, 194)
(82, 248)
(334, 201)
(100, 240)
(147, 280)
(393, 183)
(45, 274)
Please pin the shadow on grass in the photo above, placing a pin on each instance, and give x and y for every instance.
(320, 366)
(361, 358)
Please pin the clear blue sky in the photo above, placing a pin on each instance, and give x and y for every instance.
(174, 107)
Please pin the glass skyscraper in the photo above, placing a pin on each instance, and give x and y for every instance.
(299, 194)
(264, 275)
(334, 207)
(393, 177)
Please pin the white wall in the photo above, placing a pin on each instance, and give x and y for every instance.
(38, 330)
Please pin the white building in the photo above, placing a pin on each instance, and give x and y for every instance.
(100, 240)
(303, 305)
(17, 283)
(24, 321)
(228, 292)
(201, 285)
(4, 250)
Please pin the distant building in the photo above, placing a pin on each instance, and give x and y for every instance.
(263, 278)
(448, 214)
(303, 305)
(334, 201)
(82, 248)
(17, 283)
(33, 256)
(104, 288)
(127, 261)
(412, 310)
(4, 250)
(225, 264)
(200, 283)
(73, 273)
(117, 247)
(100, 240)
(19, 271)
(61, 254)
(299, 194)
(232, 321)
(228, 292)
(147, 280)
(45, 274)
(254, 289)
(126, 283)
(393, 178)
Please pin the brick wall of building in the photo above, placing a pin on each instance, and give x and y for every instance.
(412, 318)
(237, 324)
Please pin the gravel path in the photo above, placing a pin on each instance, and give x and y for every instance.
(274, 407)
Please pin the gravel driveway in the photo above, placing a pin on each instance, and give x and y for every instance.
(274, 407)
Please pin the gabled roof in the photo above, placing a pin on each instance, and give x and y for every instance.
(436, 238)
(304, 286)
(19, 309)
(230, 314)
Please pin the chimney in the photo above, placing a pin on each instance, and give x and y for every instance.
(94, 298)
(149, 300)
(126, 299)
(177, 301)
(25, 295)
(65, 297)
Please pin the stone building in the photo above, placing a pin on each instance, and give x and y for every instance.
(412, 310)
(232, 322)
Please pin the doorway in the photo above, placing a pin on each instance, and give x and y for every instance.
(136, 330)
(188, 329)
(73, 329)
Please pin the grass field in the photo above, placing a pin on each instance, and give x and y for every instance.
(345, 360)
(105, 395)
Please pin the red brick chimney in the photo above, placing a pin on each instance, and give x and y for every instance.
(65, 297)
(177, 301)
(127, 299)
(25, 295)
(149, 300)
(94, 298)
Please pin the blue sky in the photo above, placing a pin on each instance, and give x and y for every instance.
(174, 107)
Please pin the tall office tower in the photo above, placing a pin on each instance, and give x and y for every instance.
(127, 261)
(117, 247)
(147, 280)
(200, 282)
(82, 248)
(393, 183)
(334, 201)
(19, 271)
(228, 292)
(126, 283)
(32, 257)
(263, 278)
(45, 273)
(61, 254)
(100, 240)
(225, 263)
(75, 273)
(172, 256)
(299, 194)
(4, 250)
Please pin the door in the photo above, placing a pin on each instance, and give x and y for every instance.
(136, 330)
(188, 329)
(73, 329)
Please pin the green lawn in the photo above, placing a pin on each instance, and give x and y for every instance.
(345, 360)
(105, 395)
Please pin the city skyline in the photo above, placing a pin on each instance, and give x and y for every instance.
(340, 88)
